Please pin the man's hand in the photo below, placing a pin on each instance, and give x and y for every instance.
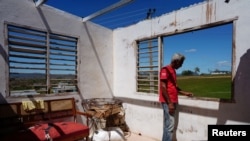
(171, 108)
(189, 94)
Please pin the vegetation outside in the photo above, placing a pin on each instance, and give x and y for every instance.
(213, 86)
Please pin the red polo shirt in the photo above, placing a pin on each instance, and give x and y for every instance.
(168, 74)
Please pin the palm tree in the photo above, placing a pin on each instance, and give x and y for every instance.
(196, 70)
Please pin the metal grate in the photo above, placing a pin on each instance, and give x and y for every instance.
(147, 66)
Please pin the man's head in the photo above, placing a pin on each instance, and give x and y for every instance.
(177, 60)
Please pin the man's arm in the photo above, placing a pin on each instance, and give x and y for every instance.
(184, 92)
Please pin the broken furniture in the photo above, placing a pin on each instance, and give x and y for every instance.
(55, 121)
(107, 114)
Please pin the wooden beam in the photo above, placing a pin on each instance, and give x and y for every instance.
(39, 2)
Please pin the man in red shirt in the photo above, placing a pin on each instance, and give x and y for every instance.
(168, 94)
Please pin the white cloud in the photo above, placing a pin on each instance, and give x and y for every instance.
(223, 63)
(191, 50)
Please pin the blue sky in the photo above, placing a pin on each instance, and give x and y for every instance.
(130, 13)
(208, 50)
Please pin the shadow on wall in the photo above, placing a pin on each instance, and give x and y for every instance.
(2, 100)
(238, 111)
(3, 53)
(43, 19)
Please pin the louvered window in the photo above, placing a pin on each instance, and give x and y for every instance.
(41, 62)
(147, 66)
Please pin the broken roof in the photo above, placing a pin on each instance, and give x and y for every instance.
(116, 13)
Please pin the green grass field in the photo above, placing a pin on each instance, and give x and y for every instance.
(207, 86)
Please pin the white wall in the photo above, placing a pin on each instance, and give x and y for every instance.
(143, 112)
(95, 50)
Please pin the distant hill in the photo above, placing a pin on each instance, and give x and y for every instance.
(39, 75)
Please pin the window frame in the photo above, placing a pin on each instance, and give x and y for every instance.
(72, 81)
(195, 28)
(153, 66)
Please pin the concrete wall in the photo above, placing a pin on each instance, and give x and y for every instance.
(143, 112)
(95, 72)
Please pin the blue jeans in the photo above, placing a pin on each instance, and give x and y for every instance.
(168, 124)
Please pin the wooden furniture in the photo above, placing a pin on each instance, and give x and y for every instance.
(106, 113)
(56, 121)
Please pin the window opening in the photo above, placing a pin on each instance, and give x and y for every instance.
(207, 70)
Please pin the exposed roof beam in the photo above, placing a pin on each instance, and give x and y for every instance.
(39, 2)
(107, 9)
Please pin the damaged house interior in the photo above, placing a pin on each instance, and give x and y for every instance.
(66, 77)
